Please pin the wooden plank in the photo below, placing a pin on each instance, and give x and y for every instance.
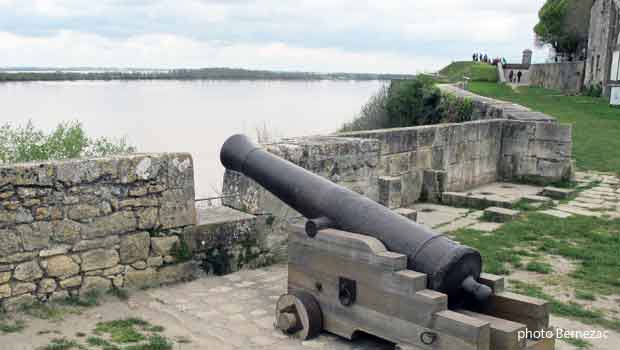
(361, 270)
(495, 282)
(462, 326)
(418, 308)
(504, 333)
(532, 312)
(346, 247)
(384, 326)
(346, 239)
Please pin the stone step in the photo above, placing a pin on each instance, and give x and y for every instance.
(557, 193)
(557, 213)
(498, 214)
(476, 201)
(390, 191)
(536, 199)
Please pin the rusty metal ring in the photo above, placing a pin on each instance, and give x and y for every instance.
(428, 338)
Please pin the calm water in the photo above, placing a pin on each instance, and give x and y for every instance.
(187, 116)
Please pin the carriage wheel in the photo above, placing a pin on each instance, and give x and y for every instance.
(299, 314)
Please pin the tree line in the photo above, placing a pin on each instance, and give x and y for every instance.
(193, 74)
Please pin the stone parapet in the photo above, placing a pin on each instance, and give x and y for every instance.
(71, 226)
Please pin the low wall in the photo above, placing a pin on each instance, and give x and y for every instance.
(71, 226)
(565, 76)
(398, 167)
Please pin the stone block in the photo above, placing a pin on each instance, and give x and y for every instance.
(177, 208)
(433, 185)
(71, 282)
(62, 266)
(57, 250)
(498, 214)
(155, 261)
(107, 242)
(536, 199)
(390, 192)
(176, 273)
(5, 290)
(5, 276)
(66, 231)
(35, 236)
(9, 243)
(147, 218)
(134, 247)
(557, 193)
(119, 222)
(137, 279)
(99, 259)
(28, 271)
(16, 258)
(412, 186)
(23, 288)
(47, 285)
(163, 245)
(553, 132)
(410, 214)
(94, 282)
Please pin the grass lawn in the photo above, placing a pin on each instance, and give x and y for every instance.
(592, 244)
(596, 125)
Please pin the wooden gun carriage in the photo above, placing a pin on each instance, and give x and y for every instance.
(356, 266)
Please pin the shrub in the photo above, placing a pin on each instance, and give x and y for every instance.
(67, 140)
(414, 102)
(456, 109)
(410, 103)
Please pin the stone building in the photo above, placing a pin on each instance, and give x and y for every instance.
(604, 45)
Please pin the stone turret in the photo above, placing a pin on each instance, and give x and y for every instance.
(527, 57)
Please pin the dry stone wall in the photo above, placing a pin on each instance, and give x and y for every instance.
(70, 226)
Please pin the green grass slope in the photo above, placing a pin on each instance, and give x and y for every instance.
(473, 70)
(596, 125)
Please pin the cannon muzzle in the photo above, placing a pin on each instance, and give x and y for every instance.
(451, 268)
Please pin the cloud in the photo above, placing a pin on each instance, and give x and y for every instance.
(425, 32)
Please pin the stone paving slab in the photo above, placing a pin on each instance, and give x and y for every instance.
(233, 312)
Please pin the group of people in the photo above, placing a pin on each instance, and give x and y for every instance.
(515, 78)
(484, 58)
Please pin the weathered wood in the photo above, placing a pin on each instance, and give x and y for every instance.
(504, 333)
(394, 303)
(471, 329)
(342, 320)
(532, 312)
(418, 308)
(495, 282)
(358, 249)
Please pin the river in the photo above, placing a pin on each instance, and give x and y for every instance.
(188, 116)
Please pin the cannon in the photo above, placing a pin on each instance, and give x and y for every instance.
(356, 266)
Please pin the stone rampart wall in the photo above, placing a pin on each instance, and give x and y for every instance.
(71, 226)
(565, 76)
(398, 167)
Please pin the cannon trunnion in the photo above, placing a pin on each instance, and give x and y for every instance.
(356, 266)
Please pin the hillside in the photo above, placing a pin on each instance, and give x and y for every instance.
(455, 71)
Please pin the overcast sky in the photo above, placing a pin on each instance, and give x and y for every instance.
(404, 36)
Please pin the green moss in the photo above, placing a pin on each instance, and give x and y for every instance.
(181, 252)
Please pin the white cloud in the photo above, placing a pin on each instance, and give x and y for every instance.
(321, 35)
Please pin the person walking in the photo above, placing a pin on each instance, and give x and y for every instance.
(519, 75)
(475, 57)
(511, 76)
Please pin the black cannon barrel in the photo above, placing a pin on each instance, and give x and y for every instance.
(451, 268)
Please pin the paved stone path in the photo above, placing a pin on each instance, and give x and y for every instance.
(216, 313)
(600, 200)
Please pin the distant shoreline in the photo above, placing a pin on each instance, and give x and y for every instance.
(28, 75)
